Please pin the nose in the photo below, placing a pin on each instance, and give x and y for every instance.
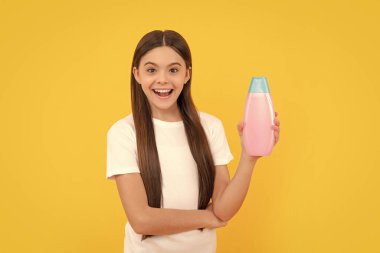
(162, 78)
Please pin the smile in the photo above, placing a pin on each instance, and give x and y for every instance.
(163, 92)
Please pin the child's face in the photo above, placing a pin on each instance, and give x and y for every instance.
(162, 69)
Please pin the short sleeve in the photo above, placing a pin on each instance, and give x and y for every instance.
(121, 151)
(219, 145)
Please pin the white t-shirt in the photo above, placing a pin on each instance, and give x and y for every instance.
(179, 178)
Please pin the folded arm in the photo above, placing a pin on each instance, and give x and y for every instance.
(158, 221)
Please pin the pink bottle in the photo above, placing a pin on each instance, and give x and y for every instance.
(258, 132)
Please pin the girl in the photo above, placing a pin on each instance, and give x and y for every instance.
(169, 161)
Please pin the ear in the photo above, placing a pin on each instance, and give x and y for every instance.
(136, 74)
(188, 74)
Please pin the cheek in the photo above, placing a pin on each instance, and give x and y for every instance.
(146, 89)
(147, 80)
(178, 81)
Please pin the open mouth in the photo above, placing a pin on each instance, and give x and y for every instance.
(163, 92)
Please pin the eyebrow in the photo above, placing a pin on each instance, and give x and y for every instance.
(173, 63)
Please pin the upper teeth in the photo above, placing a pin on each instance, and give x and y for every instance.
(162, 91)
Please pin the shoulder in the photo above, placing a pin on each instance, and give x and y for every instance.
(209, 118)
(210, 122)
(123, 127)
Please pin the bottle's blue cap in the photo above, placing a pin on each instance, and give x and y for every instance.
(259, 85)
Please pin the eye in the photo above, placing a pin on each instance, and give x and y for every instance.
(150, 70)
(174, 70)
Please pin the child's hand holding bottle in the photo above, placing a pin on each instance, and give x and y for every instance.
(276, 128)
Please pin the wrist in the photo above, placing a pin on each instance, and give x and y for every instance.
(249, 159)
(209, 215)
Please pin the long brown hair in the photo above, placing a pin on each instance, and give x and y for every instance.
(148, 160)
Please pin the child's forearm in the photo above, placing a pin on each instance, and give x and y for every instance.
(162, 221)
(228, 204)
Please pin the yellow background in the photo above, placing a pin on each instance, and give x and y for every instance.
(64, 79)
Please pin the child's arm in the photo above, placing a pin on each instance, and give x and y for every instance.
(158, 221)
(229, 195)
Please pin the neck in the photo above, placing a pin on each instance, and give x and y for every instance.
(167, 115)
